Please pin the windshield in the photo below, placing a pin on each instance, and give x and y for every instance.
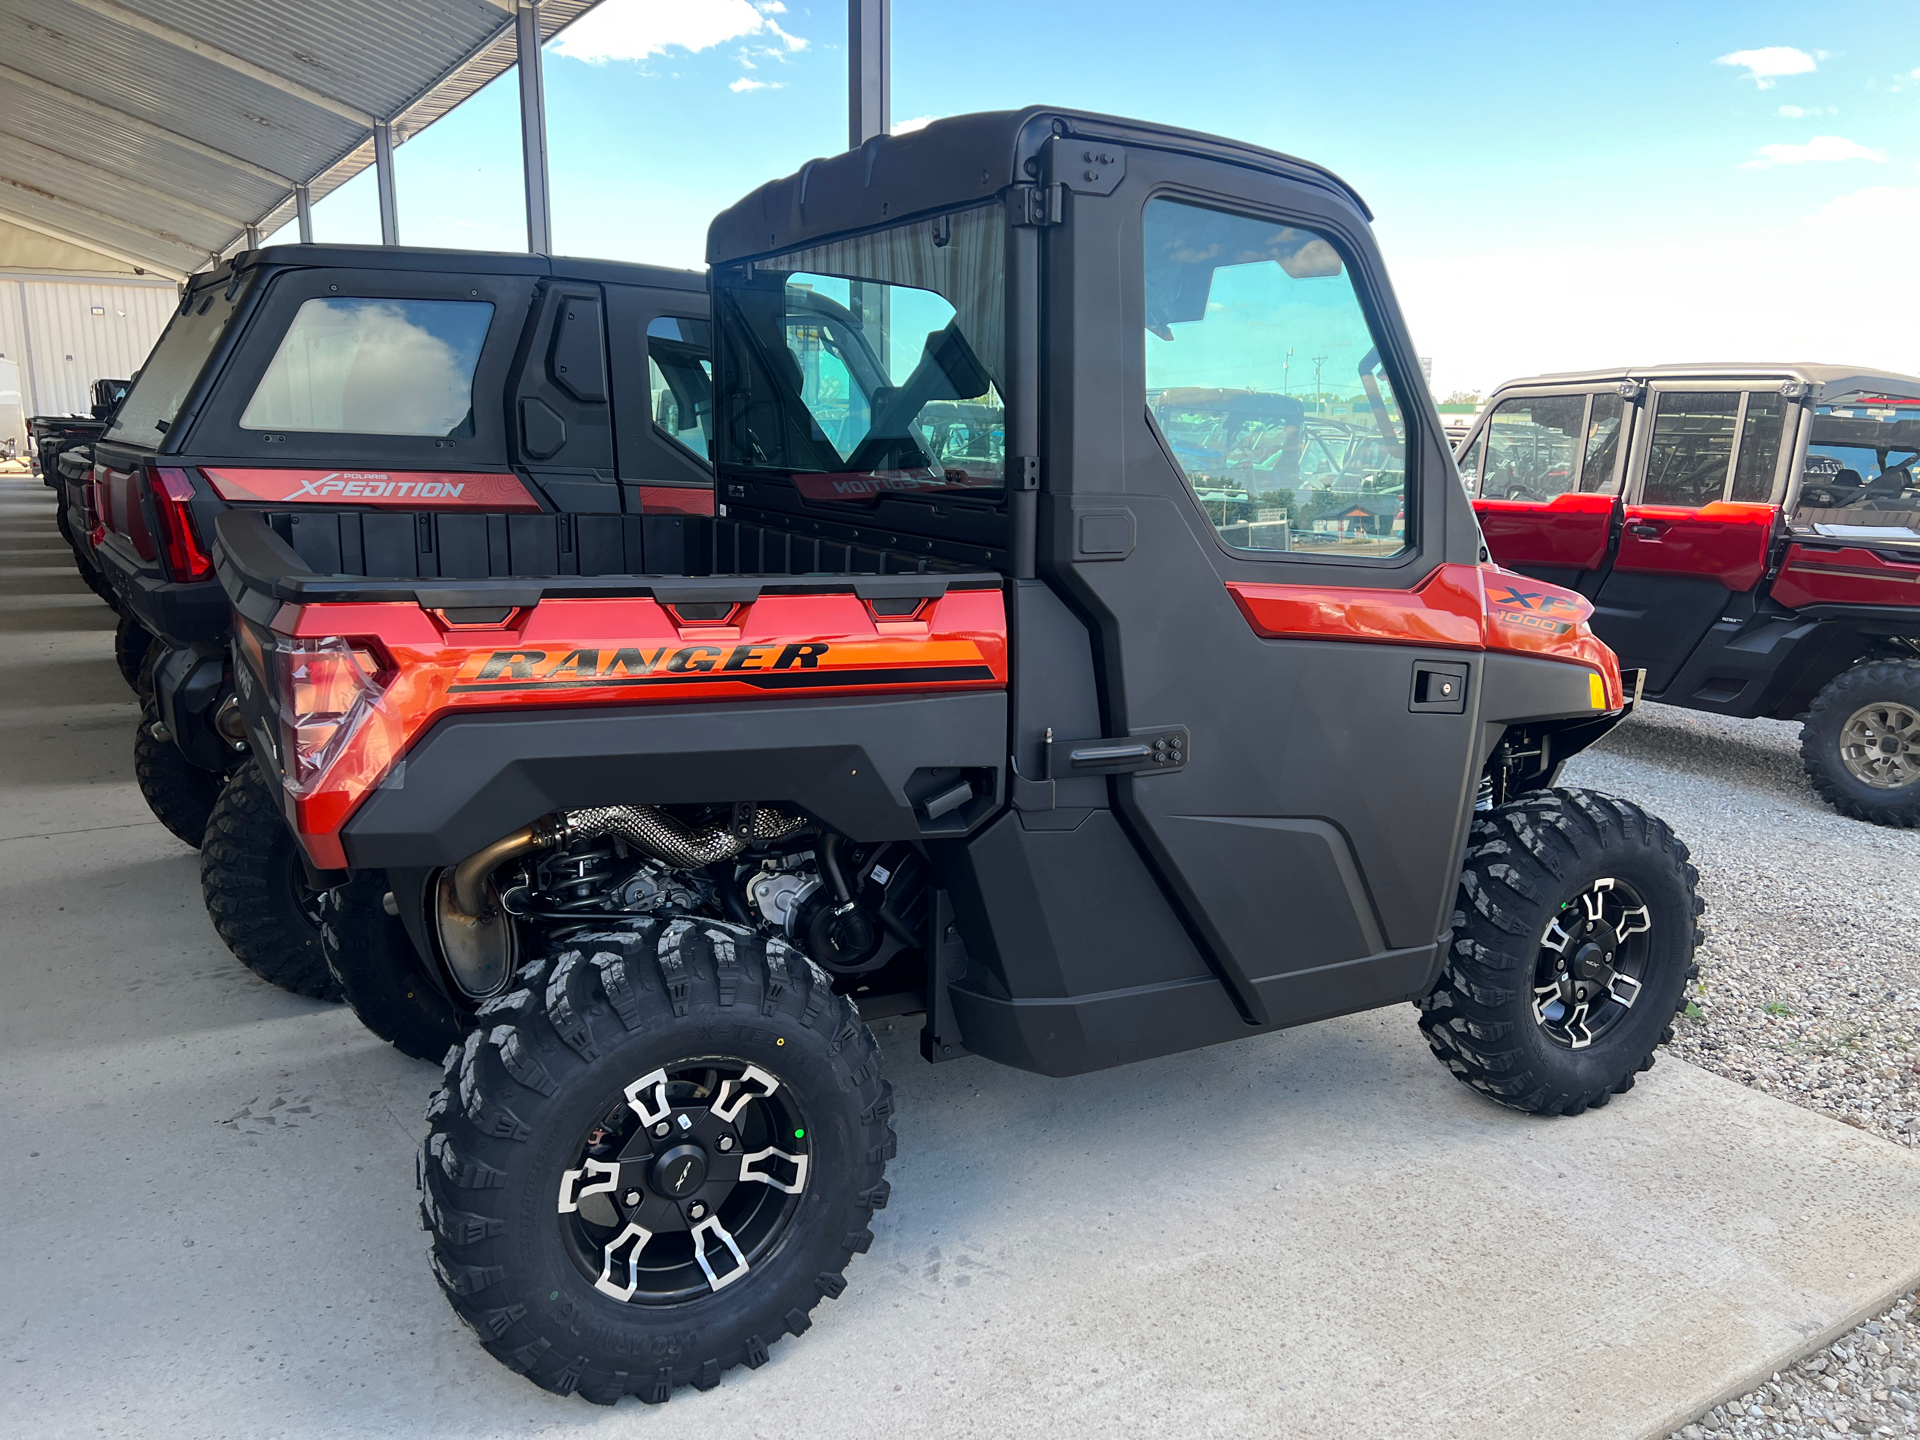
(872, 364)
(153, 404)
(1860, 478)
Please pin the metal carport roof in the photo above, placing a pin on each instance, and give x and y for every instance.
(160, 133)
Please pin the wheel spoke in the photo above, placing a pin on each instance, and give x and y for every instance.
(638, 1236)
(1557, 938)
(734, 1094)
(711, 1226)
(1628, 996)
(1578, 1033)
(650, 1113)
(1632, 922)
(572, 1192)
(798, 1162)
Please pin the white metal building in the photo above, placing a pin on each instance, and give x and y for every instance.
(70, 316)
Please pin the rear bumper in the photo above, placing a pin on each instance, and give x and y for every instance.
(183, 615)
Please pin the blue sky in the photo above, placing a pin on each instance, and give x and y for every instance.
(1554, 186)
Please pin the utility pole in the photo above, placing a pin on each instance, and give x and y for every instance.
(1286, 373)
(1318, 361)
(869, 70)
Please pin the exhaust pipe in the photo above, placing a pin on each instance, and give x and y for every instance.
(645, 827)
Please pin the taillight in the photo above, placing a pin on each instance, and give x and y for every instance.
(97, 506)
(172, 492)
(325, 690)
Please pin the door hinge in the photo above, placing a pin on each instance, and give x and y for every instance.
(1023, 472)
(1036, 204)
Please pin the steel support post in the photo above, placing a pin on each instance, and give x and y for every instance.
(253, 237)
(303, 211)
(383, 177)
(533, 127)
(869, 70)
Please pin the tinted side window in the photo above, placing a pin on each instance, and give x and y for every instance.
(680, 380)
(1691, 449)
(374, 367)
(1597, 469)
(1759, 447)
(1533, 447)
(1265, 382)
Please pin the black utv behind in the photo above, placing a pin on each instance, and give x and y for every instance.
(433, 414)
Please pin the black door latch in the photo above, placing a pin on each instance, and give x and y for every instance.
(1439, 688)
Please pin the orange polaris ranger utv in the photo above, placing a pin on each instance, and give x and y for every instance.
(1023, 689)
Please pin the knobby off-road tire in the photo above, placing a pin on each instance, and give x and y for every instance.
(180, 794)
(256, 890)
(380, 973)
(556, 1062)
(131, 642)
(1561, 884)
(1860, 743)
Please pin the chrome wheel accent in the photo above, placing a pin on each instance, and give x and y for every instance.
(712, 1226)
(1880, 745)
(1592, 963)
(639, 1238)
(657, 1209)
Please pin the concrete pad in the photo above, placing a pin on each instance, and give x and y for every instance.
(207, 1197)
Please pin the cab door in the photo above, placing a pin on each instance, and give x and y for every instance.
(1276, 641)
(1697, 524)
(1545, 473)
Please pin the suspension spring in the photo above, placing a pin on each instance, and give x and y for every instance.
(580, 880)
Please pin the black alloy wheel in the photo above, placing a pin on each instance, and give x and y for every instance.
(1860, 743)
(1570, 952)
(686, 1183)
(1592, 958)
(654, 1157)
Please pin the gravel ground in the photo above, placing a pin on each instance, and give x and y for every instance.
(1809, 990)
(1864, 1385)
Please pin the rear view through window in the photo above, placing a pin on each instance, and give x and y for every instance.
(872, 364)
(374, 367)
(189, 340)
(1265, 383)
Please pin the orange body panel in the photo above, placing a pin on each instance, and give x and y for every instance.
(595, 652)
(1459, 607)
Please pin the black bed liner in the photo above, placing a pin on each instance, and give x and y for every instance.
(260, 568)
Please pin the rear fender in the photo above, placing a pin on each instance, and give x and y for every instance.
(871, 768)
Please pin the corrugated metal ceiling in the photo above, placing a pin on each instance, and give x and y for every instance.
(157, 130)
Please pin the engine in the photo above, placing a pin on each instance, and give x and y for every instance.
(859, 911)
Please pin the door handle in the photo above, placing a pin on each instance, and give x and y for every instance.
(1645, 530)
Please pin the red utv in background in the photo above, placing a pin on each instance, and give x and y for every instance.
(1749, 536)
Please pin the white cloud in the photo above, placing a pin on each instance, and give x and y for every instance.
(1820, 149)
(919, 122)
(1769, 63)
(1526, 309)
(743, 84)
(636, 29)
(1804, 112)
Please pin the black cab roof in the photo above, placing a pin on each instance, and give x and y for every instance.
(950, 162)
(455, 262)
